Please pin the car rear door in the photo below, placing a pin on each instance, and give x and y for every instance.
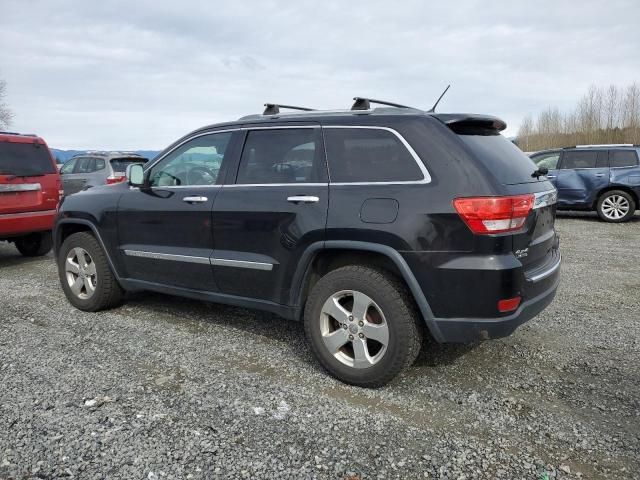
(76, 176)
(164, 229)
(270, 211)
(582, 174)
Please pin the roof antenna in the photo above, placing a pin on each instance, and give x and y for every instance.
(433, 109)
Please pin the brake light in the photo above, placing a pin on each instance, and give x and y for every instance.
(485, 215)
(113, 179)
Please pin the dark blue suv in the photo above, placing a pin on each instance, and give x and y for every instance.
(604, 178)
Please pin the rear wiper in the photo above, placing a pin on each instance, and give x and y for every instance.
(540, 172)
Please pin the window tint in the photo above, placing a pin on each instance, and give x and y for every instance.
(282, 156)
(603, 159)
(99, 164)
(197, 162)
(368, 155)
(577, 159)
(68, 166)
(548, 160)
(24, 159)
(623, 158)
(121, 164)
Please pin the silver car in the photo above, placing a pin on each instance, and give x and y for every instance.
(91, 169)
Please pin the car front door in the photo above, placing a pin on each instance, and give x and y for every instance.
(164, 228)
(582, 174)
(270, 211)
(550, 161)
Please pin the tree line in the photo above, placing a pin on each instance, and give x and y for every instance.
(5, 113)
(603, 115)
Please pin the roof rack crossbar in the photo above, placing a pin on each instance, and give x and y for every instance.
(274, 108)
(361, 103)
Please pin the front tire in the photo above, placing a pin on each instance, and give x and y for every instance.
(34, 244)
(85, 274)
(362, 325)
(616, 206)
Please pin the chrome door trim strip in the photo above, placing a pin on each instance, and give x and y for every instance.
(20, 187)
(167, 256)
(545, 199)
(225, 262)
(425, 173)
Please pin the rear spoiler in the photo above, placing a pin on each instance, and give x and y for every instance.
(471, 123)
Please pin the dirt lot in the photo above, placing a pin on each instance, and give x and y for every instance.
(169, 388)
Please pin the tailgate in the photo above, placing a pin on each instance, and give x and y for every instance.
(536, 246)
(19, 195)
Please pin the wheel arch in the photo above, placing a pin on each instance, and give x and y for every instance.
(322, 257)
(66, 227)
(610, 188)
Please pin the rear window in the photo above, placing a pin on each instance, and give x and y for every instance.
(623, 158)
(506, 162)
(121, 164)
(24, 159)
(368, 155)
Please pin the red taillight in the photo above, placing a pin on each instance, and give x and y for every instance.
(115, 179)
(494, 214)
(509, 304)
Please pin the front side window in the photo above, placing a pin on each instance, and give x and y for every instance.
(368, 155)
(623, 158)
(68, 166)
(195, 163)
(549, 160)
(577, 159)
(290, 155)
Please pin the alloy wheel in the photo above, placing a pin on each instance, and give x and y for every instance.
(354, 329)
(80, 271)
(614, 207)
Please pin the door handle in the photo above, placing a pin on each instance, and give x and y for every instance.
(303, 199)
(550, 176)
(195, 199)
(599, 175)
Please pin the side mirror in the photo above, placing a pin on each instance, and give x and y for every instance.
(135, 175)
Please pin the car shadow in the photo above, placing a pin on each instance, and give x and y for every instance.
(10, 257)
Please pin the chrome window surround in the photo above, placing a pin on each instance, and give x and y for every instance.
(223, 262)
(426, 176)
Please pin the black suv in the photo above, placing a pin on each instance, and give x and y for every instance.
(374, 226)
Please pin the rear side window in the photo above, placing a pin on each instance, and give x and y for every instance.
(623, 158)
(121, 164)
(291, 155)
(368, 155)
(576, 159)
(25, 159)
(501, 157)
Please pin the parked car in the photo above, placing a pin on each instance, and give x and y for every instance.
(604, 178)
(30, 190)
(90, 169)
(373, 226)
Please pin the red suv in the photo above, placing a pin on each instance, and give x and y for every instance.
(30, 189)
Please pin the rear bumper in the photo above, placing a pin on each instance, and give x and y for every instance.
(16, 224)
(466, 330)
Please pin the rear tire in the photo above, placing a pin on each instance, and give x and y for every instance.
(34, 244)
(365, 349)
(85, 274)
(616, 206)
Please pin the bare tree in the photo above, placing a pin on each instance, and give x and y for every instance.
(6, 115)
(610, 115)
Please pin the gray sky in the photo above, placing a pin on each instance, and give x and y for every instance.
(122, 74)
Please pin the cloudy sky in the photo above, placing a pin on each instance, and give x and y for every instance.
(119, 74)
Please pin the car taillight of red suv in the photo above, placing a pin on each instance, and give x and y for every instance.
(30, 190)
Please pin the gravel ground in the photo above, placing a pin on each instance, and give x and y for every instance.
(169, 388)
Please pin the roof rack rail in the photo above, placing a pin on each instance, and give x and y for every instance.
(361, 103)
(606, 145)
(274, 108)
